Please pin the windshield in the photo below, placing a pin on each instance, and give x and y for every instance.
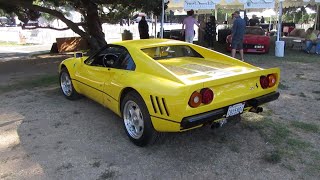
(167, 52)
(255, 31)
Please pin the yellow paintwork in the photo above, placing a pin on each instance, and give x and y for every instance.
(171, 81)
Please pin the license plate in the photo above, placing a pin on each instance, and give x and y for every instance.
(235, 109)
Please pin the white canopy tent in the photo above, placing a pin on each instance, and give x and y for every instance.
(240, 4)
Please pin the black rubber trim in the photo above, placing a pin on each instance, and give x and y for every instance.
(195, 120)
(255, 102)
(165, 119)
(94, 89)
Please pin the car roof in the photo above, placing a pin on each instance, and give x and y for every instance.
(147, 43)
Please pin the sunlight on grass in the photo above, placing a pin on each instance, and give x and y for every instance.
(5, 43)
(40, 81)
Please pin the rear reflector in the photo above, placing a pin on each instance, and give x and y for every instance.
(195, 99)
(272, 80)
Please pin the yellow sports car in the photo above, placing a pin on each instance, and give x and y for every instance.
(160, 85)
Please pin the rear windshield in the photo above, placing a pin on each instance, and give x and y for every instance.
(167, 52)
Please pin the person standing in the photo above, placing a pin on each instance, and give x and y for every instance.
(143, 28)
(262, 20)
(188, 26)
(310, 40)
(246, 19)
(238, 30)
(211, 32)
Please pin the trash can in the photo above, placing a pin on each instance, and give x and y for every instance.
(126, 35)
(279, 49)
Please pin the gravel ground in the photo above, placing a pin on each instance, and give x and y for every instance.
(45, 136)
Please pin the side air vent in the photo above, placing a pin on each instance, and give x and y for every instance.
(159, 105)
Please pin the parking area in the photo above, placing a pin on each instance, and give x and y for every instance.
(45, 136)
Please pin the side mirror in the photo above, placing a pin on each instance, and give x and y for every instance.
(78, 54)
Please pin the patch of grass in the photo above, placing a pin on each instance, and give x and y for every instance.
(108, 174)
(283, 86)
(273, 157)
(289, 167)
(234, 148)
(302, 95)
(5, 43)
(308, 127)
(300, 76)
(273, 132)
(316, 92)
(41, 81)
(298, 144)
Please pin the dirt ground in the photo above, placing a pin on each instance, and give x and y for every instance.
(45, 136)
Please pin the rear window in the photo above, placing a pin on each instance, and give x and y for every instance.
(167, 52)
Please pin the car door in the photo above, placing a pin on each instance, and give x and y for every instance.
(117, 72)
(92, 75)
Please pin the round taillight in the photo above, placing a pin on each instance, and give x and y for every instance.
(207, 95)
(195, 99)
(264, 82)
(272, 80)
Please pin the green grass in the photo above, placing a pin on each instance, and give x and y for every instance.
(4, 43)
(307, 127)
(302, 95)
(273, 132)
(273, 157)
(283, 86)
(298, 144)
(40, 81)
(316, 92)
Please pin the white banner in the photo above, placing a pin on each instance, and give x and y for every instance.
(199, 4)
(259, 4)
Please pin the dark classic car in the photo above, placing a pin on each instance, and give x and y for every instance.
(255, 40)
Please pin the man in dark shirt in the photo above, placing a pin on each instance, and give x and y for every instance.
(254, 21)
(143, 28)
(238, 30)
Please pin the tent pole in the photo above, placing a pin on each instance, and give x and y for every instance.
(162, 20)
(279, 21)
(216, 12)
(317, 18)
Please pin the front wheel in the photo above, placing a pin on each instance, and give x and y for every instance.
(66, 85)
(137, 121)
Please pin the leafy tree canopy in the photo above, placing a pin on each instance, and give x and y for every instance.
(94, 12)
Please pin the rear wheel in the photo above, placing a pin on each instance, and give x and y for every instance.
(137, 121)
(66, 85)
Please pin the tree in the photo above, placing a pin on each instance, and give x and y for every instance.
(92, 11)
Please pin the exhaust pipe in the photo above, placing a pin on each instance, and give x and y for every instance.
(256, 110)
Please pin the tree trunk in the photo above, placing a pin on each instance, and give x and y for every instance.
(93, 26)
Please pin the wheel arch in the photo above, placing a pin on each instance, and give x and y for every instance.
(123, 93)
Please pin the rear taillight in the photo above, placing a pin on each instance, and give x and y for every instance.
(195, 99)
(207, 95)
(268, 81)
(264, 82)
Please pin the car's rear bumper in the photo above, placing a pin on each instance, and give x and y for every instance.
(196, 120)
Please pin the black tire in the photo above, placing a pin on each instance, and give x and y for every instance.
(148, 135)
(71, 93)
